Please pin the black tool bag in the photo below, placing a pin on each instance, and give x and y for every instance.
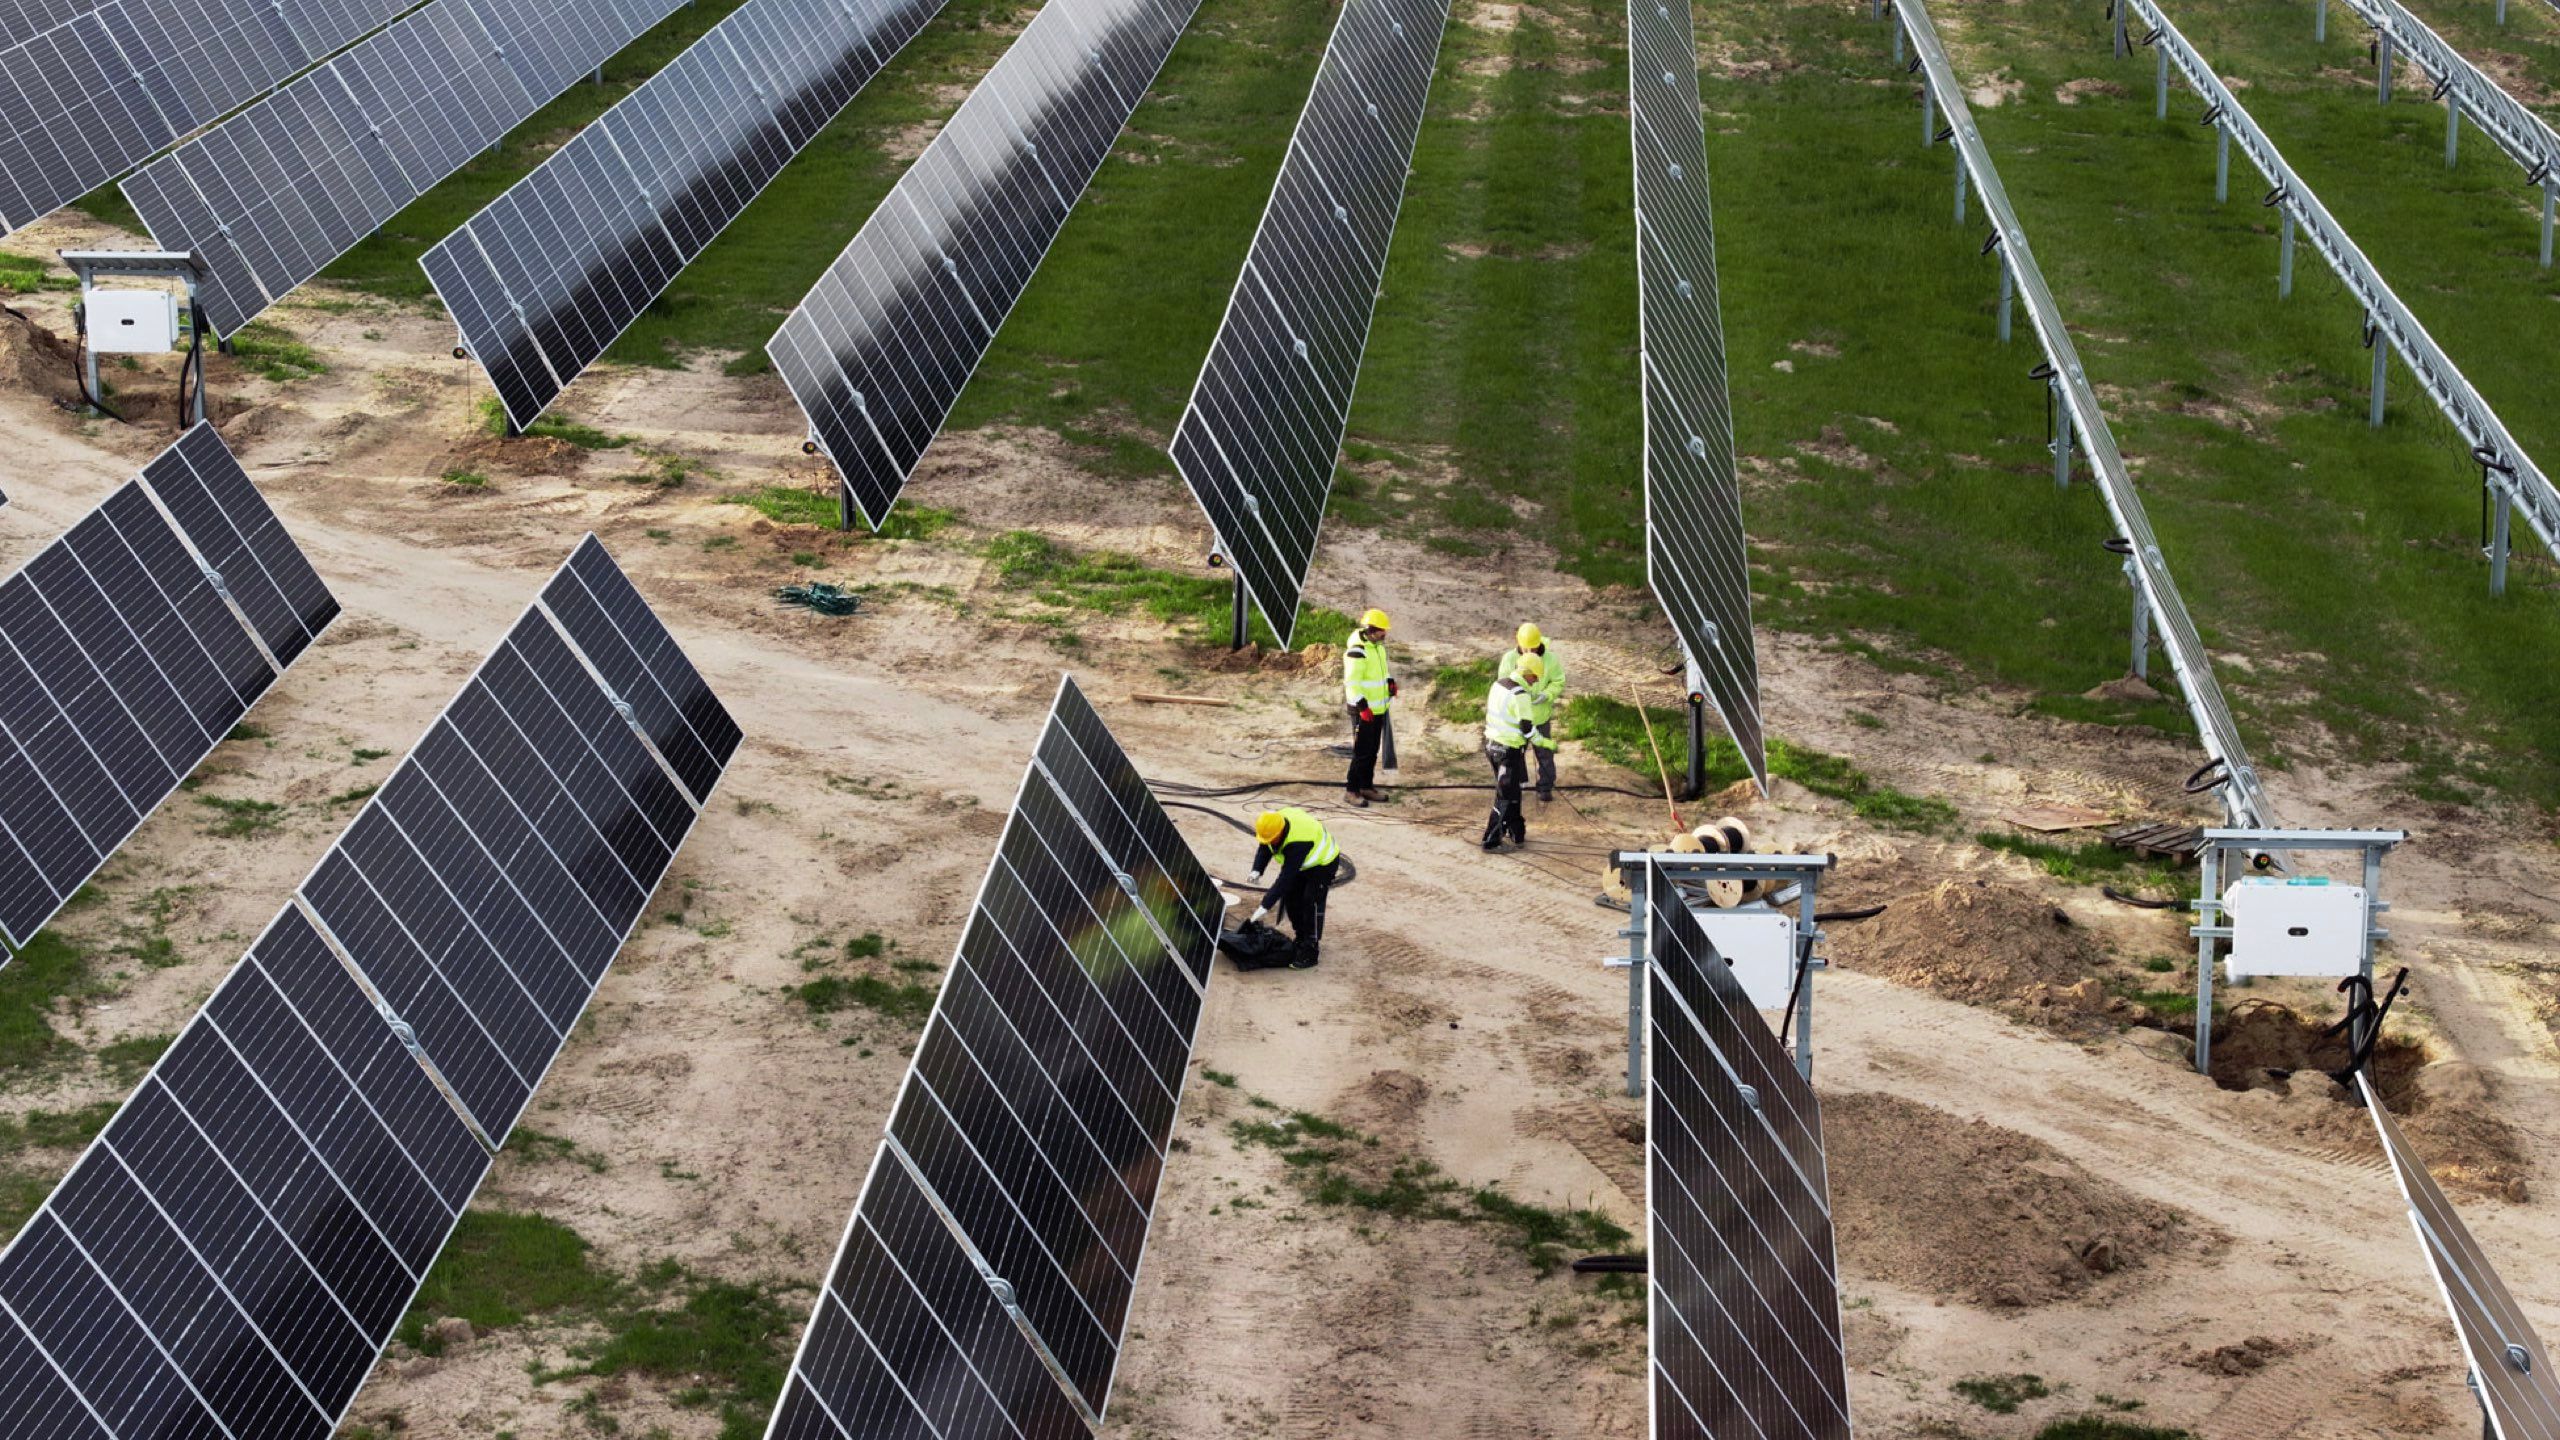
(1255, 946)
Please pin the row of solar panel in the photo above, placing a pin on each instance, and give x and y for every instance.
(1266, 418)
(129, 647)
(270, 197)
(553, 271)
(877, 353)
(1033, 1126)
(88, 90)
(231, 1256)
(1695, 555)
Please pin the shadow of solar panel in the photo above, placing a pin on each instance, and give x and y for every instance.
(1695, 556)
(1745, 1322)
(88, 90)
(122, 665)
(546, 277)
(2511, 1372)
(984, 1281)
(878, 351)
(1258, 439)
(233, 1253)
(270, 196)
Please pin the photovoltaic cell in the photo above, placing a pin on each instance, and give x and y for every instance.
(1746, 1296)
(122, 664)
(231, 1255)
(548, 275)
(1265, 422)
(1029, 1138)
(879, 350)
(1695, 553)
(642, 666)
(2510, 1367)
(89, 90)
(270, 196)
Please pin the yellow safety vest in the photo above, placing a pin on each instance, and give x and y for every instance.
(1506, 715)
(1550, 686)
(1297, 825)
(1364, 673)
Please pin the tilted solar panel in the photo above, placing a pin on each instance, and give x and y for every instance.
(1257, 441)
(983, 1284)
(1696, 557)
(272, 195)
(232, 1254)
(89, 90)
(1746, 1294)
(548, 275)
(128, 650)
(2511, 1370)
(879, 350)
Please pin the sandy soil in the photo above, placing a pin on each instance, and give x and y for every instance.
(2082, 1206)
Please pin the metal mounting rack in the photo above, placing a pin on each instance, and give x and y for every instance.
(1800, 874)
(181, 266)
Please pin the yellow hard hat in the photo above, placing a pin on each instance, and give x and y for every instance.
(1530, 639)
(1374, 620)
(1532, 668)
(1270, 827)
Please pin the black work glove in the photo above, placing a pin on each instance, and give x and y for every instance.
(1391, 687)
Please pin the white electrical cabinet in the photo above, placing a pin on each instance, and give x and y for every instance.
(2302, 926)
(132, 322)
(1761, 947)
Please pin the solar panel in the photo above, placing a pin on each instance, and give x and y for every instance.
(232, 1254)
(1746, 1293)
(89, 90)
(983, 1284)
(128, 649)
(1696, 558)
(878, 351)
(1266, 418)
(269, 197)
(2511, 1372)
(548, 275)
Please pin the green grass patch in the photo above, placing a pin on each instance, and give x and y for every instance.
(51, 972)
(365, 756)
(238, 817)
(501, 1268)
(56, 1129)
(795, 505)
(832, 994)
(269, 351)
(29, 274)
(126, 1061)
(1201, 608)
(493, 418)
(2092, 862)
(532, 1146)
(2002, 1394)
(1458, 691)
(356, 796)
(467, 479)
(1615, 731)
(2102, 1427)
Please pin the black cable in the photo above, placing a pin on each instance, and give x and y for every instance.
(2140, 903)
(80, 369)
(1609, 1265)
(1842, 917)
(1229, 792)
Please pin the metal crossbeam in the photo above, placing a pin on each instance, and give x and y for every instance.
(2509, 473)
(2243, 799)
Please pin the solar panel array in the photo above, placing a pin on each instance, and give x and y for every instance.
(90, 90)
(1696, 557)
(129, 647)
(549, 274)
(2510, 1367)
(983, 1284)
(879, 350)
(1746, 1291)
(231, 1255)
(269, 197)
(1258, 439)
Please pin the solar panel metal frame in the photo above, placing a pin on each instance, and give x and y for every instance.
(1018, 1352)
(196, 496)
(2520, 1402)
(274, 194)
(2474, 93)
(1271, 567)
(919, 233)
(188, 33)
(1770, 1173)
(482, 270)
(329, 978)
(1697, 555)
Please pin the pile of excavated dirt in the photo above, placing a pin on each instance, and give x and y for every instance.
(1984, 943)
(1973, 1212)
(35, 361)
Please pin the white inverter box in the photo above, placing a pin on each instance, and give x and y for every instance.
(132, 322)
(1761, 947)
(2299, 926)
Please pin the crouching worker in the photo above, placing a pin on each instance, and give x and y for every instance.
(1307, 855)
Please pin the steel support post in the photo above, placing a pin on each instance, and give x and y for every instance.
(1928, 115)
(1960, 185)
(2123, 46)
(2550, 210)
(2382, 68)
(2160, 87)
(2008, 295)
(1637, 885)
(1808, 930)
(2061, 438)
(1694, 786)
(2381, 373)
(2208, 909)
(2500, 525)
(2284, 260)
(2502, 12)
(1243, 616)
(2141, 624)
(1897, 42)
(2452, 127)
(2221, 163)
(2320, 21)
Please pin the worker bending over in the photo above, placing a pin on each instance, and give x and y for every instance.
(1368, 692)
(1307, 854)
(1543, 696)
(1507, 724)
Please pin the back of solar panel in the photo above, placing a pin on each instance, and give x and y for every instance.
(984, 1281)
(129, 648)
(230, 1256)
(1745, 1312)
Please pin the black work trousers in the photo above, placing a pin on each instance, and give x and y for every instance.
(1305, 908)
(1365, 735)
(1510, 773)
(1546, 759)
